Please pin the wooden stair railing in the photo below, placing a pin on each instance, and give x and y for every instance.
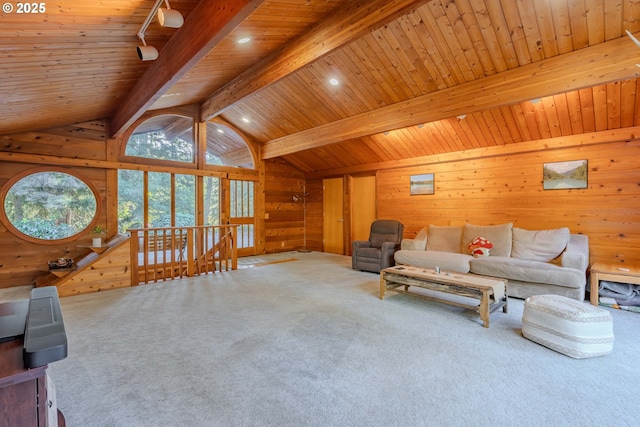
(159, 254)
(209, 262)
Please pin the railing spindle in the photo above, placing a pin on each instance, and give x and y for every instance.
(170, 252)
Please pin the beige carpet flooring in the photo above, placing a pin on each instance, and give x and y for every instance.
(309, 343)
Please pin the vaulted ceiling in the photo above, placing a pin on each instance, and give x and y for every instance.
(414, 77)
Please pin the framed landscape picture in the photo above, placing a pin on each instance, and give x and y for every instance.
(422, 184)
(565, 175)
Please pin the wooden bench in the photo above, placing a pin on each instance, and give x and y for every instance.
(157, 242)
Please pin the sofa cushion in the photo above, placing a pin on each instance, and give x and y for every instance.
(447, 261)
(539, 245)
(420, 241)
(528, 271)
(444, 238)
(498, 235)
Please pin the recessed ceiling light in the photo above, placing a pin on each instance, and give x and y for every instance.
(462, 116)
(220, 130)
(535, 100)
(244, 40)
(246, 120)
(334, 82)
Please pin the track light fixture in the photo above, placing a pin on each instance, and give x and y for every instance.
(147, 53)
(167, 17)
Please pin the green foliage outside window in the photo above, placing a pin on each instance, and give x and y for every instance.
(156, 145)
(131, 200)
(50, 205)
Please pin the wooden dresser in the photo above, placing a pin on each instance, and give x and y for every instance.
(27, 397)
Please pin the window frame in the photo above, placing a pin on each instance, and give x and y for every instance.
(4, 219)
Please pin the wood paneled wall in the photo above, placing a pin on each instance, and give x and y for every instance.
(284, 207)
(111, 272)
(483, 186)
(314, 214)
(23, 262)
(500, 187)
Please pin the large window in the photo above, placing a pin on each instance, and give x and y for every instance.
(164, 137)
(226, 147)
(162, 189)
(48, 205)
(159, 200)
(185, 195)
(130, 200)
(150, 199)
(211, 201)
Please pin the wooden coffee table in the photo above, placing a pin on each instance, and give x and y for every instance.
(613, 272)
(492, 292)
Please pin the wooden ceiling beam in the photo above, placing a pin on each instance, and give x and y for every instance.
(160, 166)
(599, 64)
(208, 24)
(558, 143)
(342, 27)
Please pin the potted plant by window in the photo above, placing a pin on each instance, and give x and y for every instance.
(98, 231)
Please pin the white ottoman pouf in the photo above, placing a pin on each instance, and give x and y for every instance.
(568, 326)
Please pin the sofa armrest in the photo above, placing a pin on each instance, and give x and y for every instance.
(418, 243)
(413, 244)
(576, 255)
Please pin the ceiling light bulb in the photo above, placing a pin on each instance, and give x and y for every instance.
(170, 18)
(220, 130)
(244, 40)
(334, 82)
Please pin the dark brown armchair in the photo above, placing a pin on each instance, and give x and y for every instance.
(376, 253)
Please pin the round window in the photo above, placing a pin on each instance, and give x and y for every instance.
(49, 205)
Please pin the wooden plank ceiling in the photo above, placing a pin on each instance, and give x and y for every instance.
(414, 77)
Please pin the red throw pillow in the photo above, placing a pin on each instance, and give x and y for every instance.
(480, 247)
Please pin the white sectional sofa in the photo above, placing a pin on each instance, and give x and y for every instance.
(535, 262)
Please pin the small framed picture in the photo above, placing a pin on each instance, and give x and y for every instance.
(422, 184)
(565, 175)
